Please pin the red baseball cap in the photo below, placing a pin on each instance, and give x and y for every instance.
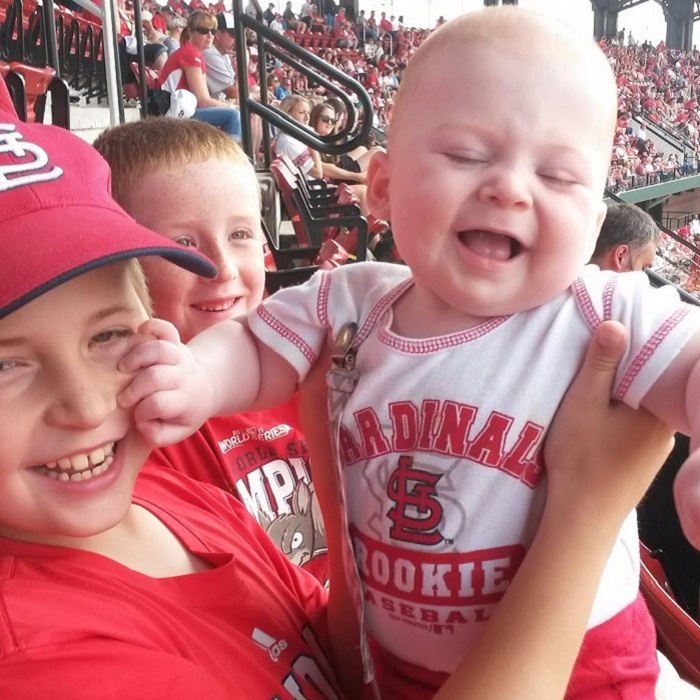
(57, 216)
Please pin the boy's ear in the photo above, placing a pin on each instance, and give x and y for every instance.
(378, 186)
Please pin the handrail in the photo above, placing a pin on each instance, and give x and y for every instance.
(107, 13)
(662, 132)
(658, 281)
(273, 43)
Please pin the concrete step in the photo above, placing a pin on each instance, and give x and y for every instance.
(88, 121)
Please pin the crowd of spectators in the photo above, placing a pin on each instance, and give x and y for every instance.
(657, 87)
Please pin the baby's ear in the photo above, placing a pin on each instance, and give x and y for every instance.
(601, 217)
(378, 186)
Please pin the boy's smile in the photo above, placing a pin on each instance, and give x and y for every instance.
(82, 466)
(213, 207)
(70, 453)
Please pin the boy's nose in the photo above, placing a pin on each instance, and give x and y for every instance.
(225, 264)
(506, 187)
(83, 399)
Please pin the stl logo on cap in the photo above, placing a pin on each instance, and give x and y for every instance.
(32, 163)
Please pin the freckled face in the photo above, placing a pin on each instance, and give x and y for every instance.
(214, 207)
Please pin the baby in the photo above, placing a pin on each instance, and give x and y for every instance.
(493, 182)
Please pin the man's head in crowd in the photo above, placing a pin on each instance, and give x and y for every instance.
(224, 38)
(493, 180)
(627, 241)
(194, 185)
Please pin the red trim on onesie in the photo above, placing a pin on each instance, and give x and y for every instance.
(322, 299)
(585, 304)
(608, 292)
(379, 309)
(428, 345)
(648, 350)
(287, 333)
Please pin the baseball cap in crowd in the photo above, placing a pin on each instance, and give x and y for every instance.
(146, 16)
(224, 22)
(183, 104)
(57, 217)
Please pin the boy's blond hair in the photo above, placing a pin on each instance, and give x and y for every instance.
(138, 281)
(527, 34)
(139, 148)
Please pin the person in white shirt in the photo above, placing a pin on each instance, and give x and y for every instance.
(220, 75)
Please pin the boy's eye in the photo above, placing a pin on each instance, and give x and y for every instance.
(186, 241)
(241, 234)
(7, 365)
(112, 334)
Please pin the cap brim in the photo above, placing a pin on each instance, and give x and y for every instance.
(76, 247)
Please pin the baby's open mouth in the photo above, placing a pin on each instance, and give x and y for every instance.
(80, 467)
(495, 246)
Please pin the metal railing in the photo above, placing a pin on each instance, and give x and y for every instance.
(271, 43)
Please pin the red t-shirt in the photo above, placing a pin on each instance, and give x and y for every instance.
(172, 77)
(262, 459)
(78, 625)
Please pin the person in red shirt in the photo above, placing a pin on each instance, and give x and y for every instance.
(385, 26)
(185, 70)
(209, 201)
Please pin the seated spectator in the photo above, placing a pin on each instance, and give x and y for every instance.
(318, 24)
(284, 88)
(277, 25)
(323, 120)
(273, 84)
(627, 241)
(357, 159)
(174, 29)
(220, 75)
(306, 159)
(186, 69)
(291, 22)
(344, 36)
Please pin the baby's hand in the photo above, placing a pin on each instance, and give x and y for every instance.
(686, 492)
(171, 393)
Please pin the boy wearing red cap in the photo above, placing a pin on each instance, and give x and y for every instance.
(116, 581)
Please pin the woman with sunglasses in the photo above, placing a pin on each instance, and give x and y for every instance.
(329, 118)
(185, 70)
(310, 161)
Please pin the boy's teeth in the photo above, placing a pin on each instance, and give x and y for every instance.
(79, 462)
(83, 462)
(97, 456)
(59, 475)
